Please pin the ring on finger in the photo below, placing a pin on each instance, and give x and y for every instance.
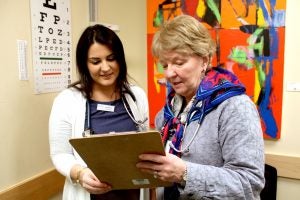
(155, 174)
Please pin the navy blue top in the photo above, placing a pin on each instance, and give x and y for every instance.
(106, 121)
(117, 121)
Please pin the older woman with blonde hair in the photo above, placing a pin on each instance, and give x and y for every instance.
(210, 128)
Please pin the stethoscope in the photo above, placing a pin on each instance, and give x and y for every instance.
(197, 106)
(87, 124)
(140, 123)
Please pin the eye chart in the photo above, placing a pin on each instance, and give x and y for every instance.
(51, 44)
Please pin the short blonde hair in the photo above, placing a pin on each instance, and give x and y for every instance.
(183, 34)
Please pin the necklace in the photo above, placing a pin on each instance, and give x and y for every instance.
(183, 115)
(105, 95)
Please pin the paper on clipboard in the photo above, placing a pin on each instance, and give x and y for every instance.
(113, 157)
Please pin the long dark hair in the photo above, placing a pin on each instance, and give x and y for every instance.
(105, 36)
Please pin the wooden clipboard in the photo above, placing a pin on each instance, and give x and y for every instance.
(112, 157)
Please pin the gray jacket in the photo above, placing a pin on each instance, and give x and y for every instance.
(226, 158)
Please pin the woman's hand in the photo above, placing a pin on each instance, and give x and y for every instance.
(87, 179)
(167, 168)
(91, 183)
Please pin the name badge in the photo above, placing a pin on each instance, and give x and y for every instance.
(103, 107)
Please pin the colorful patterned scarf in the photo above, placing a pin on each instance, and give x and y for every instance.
(217, 86)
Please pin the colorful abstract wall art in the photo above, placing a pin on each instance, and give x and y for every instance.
(250, 36)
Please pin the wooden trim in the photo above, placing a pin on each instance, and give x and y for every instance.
(287, 166)
(40, 187)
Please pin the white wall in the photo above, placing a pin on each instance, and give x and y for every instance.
(24, 148)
